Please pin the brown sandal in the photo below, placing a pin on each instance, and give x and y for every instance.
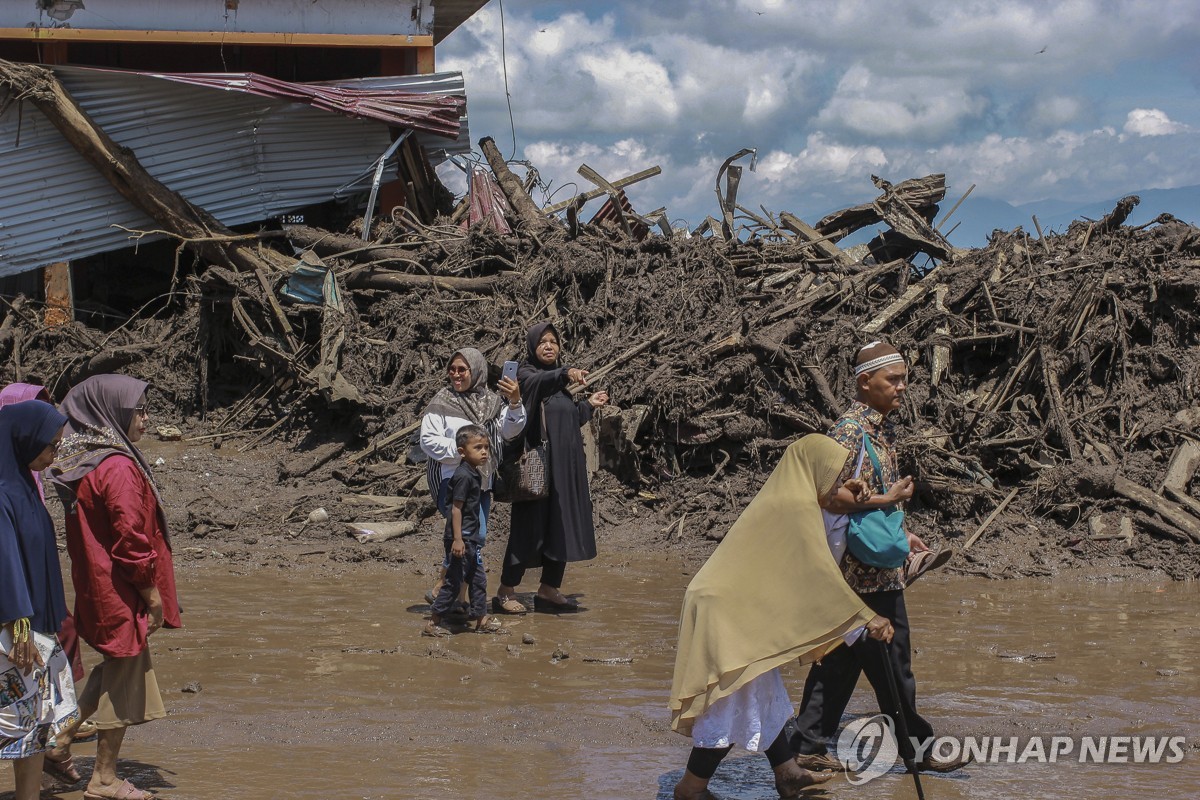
(63, 769)
(125, 791)
(508, 605)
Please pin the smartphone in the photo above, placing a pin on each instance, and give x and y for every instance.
(510, 370)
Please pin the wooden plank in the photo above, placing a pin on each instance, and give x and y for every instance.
(384, 442)
(941, 353)
(613, 192)
(592, 194)
(425, 60)
(991, 518)
(902, 303)
(810, 234)
(1182, 467)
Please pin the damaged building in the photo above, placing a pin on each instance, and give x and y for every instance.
(257, 112)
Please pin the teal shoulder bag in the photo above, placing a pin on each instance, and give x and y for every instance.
(877, 537)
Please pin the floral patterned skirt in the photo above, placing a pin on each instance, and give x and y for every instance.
(34, 707)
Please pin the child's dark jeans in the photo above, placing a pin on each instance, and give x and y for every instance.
(468, 569)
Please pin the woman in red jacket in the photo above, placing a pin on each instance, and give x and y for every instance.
(120, 564)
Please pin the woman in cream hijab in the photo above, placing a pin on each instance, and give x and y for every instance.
(727, 687)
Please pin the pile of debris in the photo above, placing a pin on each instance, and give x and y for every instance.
(1045, 369)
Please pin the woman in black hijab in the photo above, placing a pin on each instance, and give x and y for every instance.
(37, 695)
(557, 529)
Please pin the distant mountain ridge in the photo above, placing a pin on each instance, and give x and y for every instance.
(979, 216)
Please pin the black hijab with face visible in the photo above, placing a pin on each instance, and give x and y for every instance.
(535, 392)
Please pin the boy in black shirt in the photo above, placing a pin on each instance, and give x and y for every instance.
(463, 538)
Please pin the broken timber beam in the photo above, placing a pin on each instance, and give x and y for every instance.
(592, 194)
(613, 192)
(809, 234)
(902, 303)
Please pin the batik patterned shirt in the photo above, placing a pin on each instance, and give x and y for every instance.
(848, 432)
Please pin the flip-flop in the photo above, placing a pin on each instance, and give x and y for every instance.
(490, 625)
(126, 791)
(508, 605)
(63, 770)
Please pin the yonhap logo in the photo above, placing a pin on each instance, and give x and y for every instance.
(867, 748)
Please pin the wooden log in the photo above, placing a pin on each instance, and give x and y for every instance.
(371, 278)
(830, 289)
(1058, 413)
(340, 245)
(522, 204)
(1116, 218)
(1148, 500)
(953, 208)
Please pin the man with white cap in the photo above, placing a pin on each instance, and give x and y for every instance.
(881, 379)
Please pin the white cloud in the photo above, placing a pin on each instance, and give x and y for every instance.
(1151, 122)
(878, 106)
(1056, 111)
(831, 91)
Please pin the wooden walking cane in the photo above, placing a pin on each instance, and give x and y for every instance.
(901, 723)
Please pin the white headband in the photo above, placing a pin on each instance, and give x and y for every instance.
(878, 363)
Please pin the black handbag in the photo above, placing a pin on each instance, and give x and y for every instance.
(525, 476)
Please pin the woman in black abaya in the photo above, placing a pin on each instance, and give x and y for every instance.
(557, 529)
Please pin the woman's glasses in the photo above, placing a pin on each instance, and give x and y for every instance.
(141, 411)
(458, 370)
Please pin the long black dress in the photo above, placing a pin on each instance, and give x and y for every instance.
(558, 527)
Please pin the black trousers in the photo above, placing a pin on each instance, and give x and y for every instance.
(469, 570)
(830, 684)
(513, 571)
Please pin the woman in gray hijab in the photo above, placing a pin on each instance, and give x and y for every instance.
(467, 400)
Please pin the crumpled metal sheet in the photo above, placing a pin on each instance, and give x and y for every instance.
(431, 113)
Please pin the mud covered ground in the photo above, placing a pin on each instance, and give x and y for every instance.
(240, 509)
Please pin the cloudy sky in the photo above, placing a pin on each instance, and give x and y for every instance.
(1074, 101)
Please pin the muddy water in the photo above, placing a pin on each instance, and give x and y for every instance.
(315, 686)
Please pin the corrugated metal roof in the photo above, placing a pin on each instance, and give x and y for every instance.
(240, 156)
(444, 83)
